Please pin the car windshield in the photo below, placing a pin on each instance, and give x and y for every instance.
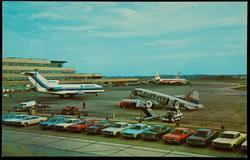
(155, 129)
(202, 134)
(52, 119)
(116, 125)
(135, 127)
(70, 121)
(22, 116)
(225, 135)
(176, 131)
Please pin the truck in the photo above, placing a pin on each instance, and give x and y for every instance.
(24, 106)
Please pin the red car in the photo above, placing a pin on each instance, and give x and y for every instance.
(178, 135)
(81, 126)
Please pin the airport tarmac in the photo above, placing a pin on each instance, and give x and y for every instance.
(222, 106)
(28, 144)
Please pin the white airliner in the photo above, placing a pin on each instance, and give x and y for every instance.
(177, 80)
(53, 86)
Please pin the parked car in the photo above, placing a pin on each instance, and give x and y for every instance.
(134, 131)
(229, 140)
(51, 122)
(115, 129)
(178, 135)
(81, 126)
(11, 121)
(155, 132)
(244, 146)
(66, 124)
(8, 116)
(30, 120)
(202, 137)
(96, 129)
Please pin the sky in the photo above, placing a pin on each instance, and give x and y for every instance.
(130, 38)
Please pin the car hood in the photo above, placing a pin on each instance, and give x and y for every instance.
(112, 129)
(11, 120)
(47, 123)
(172, 136)
(224, 140)
(132, 131)
(196, 137)
(63, 124)
(94, 127)
(149, 132)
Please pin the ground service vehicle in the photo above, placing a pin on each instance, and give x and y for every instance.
(30, 120)
(178, 135)
(12, 120)
(70, 110)
(51, 122)
(66, 124)
(134, 131)
(229, 140)
(115, 129)
(24, 106)
(155, 132)
(202, 137)
(96, 129)
(81, 126)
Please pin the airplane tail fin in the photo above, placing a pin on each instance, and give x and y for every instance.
(40, 83)
(178, 75)
(193, 96)
(157, 76)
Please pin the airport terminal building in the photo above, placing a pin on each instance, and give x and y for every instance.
(51, 70)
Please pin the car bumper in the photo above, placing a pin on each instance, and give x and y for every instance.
(60, 129)
(128, 136)
(46, 126)
(149, 137)
(222, 146)
(108, 134)
(91, 131)
(200, 144)
(172, 141)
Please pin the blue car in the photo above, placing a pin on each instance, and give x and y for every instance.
(8, 116)
(134, 131)
(51, 122)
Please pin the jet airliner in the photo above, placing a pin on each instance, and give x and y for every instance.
(53, 87)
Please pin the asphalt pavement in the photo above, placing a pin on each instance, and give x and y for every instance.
(28, 144)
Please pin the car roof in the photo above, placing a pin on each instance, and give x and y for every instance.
(139, 124)
(204, 129)
(231, 132)
(121, 123)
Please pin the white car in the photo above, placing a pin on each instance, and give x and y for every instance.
(65, 125)
(115, 129)
(30, 120)
(13, 120)
(229, 140)
(244, 146)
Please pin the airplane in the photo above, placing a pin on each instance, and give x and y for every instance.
(152, 98)
(53, 87)
(177, 80)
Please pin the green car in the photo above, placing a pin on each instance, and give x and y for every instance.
(155, 132)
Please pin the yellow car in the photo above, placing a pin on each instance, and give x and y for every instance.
(229, 140)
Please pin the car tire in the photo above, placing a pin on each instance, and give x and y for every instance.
(117, 134)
